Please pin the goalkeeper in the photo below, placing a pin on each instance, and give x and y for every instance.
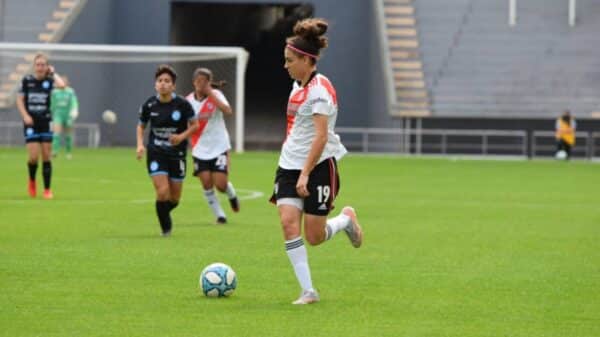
(65, 108)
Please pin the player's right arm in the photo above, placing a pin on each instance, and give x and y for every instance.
(21, 105)
(139, 134)
(140, 141)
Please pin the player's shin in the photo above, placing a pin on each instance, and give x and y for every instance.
(162, 211)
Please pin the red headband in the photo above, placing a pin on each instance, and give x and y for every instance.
(302, 51)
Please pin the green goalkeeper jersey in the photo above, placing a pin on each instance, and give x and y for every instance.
(62, 102)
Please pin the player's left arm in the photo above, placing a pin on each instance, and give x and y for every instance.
(74, 111)
(58, 81)
(220, 101)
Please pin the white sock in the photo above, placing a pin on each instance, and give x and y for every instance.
(296, 251)
(214, 204)
(230, 190)
(335, 225)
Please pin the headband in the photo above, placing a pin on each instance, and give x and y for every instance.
(298, 50)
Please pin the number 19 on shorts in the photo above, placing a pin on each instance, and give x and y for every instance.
(323, 193)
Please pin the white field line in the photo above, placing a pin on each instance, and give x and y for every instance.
(243, 194)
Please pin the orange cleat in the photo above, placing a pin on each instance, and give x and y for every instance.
(48, 194)
(32, 188)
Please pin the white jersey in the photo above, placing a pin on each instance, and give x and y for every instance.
(212, 137)
(318, 97)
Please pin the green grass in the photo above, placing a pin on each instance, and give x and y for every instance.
(452, 248)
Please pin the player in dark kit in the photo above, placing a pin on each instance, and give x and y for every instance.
(33, 104)
(172, 120)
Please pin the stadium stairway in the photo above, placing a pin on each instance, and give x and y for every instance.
(476, 65)
(31, 21)
(412, 99)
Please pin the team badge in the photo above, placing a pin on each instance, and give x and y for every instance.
(176, 115)
(153, 166)
(46, 84)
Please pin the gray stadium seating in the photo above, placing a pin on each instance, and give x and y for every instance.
(476, 65)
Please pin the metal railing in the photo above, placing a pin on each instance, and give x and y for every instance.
(545, 142)
(539, 143)
(11, 133)
(512, 12)
(440, 141)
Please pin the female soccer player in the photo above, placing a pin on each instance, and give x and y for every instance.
(172, 121)
(33, 104)
(307, 180)
(64, 107)
(211, 142)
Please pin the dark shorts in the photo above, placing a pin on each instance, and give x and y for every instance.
(323, 186)
(219, 164)
(39, 132)
(160, 164)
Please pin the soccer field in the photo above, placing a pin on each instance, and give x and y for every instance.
(452, 248)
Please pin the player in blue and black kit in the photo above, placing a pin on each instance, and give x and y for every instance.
(172, 121)
(33, 103)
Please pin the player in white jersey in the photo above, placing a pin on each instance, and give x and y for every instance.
(210, 143)
(307, 179)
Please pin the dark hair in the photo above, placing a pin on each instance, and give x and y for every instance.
(566, 117)
(209, 75)
(309, 37)
(166, 69)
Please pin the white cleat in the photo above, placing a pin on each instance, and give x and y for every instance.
(307, 297)
(354, 231)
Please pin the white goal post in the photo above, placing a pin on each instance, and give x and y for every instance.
(131, 54)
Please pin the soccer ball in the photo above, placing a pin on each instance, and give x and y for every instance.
(218, 280)
(109, 117)
(561, 154)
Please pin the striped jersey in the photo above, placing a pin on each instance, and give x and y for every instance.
(211, 139)
(317, 97)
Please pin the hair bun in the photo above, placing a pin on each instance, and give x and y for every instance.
(312, 30)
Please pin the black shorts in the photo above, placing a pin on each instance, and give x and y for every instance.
(39, 132)
(160, 164)
(219, 164)
(323, 186)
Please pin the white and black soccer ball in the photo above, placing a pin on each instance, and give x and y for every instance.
(218, 280)
(561, 155)
(109, 117)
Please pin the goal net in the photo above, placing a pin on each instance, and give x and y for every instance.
(118, 78)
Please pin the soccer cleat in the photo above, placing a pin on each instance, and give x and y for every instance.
(307, 297)
(353, 230)
(235, 204)
(221, 220)
(166, 234)
(32, 188)
(48, 194)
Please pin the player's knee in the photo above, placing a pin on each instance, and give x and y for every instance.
(290, 227)
(162, 193)
(314, 238)
(221, 187)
